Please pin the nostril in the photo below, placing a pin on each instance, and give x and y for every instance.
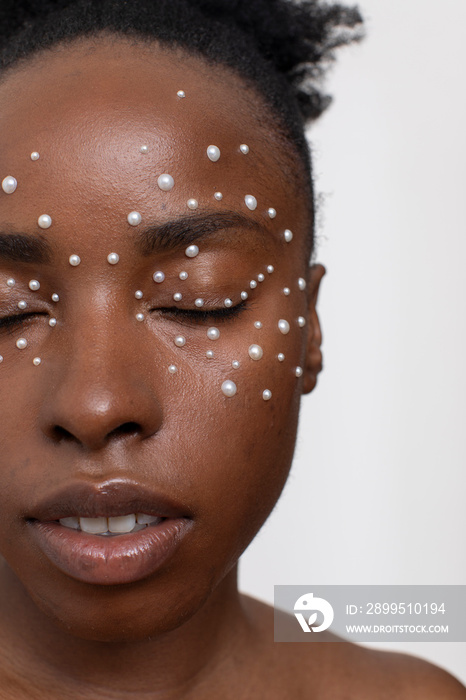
(62, 435)
(125, 429)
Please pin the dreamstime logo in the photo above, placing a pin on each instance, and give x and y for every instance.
(308, 604)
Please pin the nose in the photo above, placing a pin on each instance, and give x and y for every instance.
(103, 388)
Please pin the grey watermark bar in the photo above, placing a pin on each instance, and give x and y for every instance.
(317, 613)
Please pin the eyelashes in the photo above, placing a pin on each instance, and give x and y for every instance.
(8, 323)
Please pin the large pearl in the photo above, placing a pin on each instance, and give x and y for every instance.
(134, 218)
(9, 184)
(21, 343)
(35, 155)
(74, 260)
(166, 182)
(213, 333)
(255, 352)
(244, 148)
(158, 277)
(113, 258)
(301, 321)
(272, 213)
(283, 326)
(34, 285)
(191, 251)
(44, 221)
(251, 202)
(229, 388)
(181, 93)
(213, 153)
(267, 395)
(180, 341)
(288, 235)
(302, 283)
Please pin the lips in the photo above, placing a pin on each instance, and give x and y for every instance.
(94, 559)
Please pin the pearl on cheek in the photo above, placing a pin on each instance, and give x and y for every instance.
(193, 204)
(299, 371)
(288, 236)
(258, 325)
(183, 275)
(21, 343)
(44, 221)
(213, 333)
(272, 213)
(286, 291)
(158, 277)
(218, 196)
(35, 155)
(144, 149)
(301, 321)
(267, 395)
(34, 285)
(244, 148)
(229, 388)
(172, 369)
(165, 182)
(113, 258)
(10, 282)
(251, 202)
(138, 294)
(52, 322)
(209, 354)
(9, 184)
(74, 260)
(36, 361)
(180, 341)
(244, 296)
(139, 317)
(280, 357)
(283, 326)
(255, 352)
(302, 284)
(213, 153)
(55, 297)
(181, 94)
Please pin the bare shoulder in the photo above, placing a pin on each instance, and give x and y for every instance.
(320, 671)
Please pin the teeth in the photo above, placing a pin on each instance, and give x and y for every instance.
(114, 525)
(94, 526)
(144, 519)
(122, 523)
(70, 522)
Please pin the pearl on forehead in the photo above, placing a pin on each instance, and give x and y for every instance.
(191, 251)
(260, 277)
(280, 357)
(228, 303)
(213, 333)
(55, 297)
(272, 213)
(283, 326)
(181, 93)
(251, 202)
(299, 371)
(183, 275)
(199, 303)
(270, 269)
(209, 354)
(138, 294)
(213, 153)
(180, 341)
(193, 204)
(267, 395)
(9, 184)
(255, 352)
(34, 285)
(166, 182)
(52, 322)
(22, 305)
(253, 284)
(44, 221)
(134, 218)
(21, 343)
(172, 369)
(286, 291)
(235, 364)
(113, 258)
(229, 388)
(158, 277)
(302, 283)
(288, 235)
(144, 149)
(244, 148)
(74, 260)
(35, 155)
(244, 296)
(10, 282)
(218, 196)
(258, 325)
(139, 317)
(301, 321)
(178, 296)
(36, 361)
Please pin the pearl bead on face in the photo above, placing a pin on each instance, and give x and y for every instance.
(22, 305)
(144, 149)
(138, 294)
(21, 343)
(267, 395)
(10, 282)
(283, 326)
(139, 317)
(244, 148)
(193, 204)
(180, 341)
(44, 221)
(35, 155)
(9, 184)
(280, 357)
(209, 354)
(218, 196)
(52, 322)
(177, 297)
(36, 361)
(229, 388)
(244, 296)
(270, 269)
(272, 213)
(235, 364)
(191, 251)
(183, 275)
(260, 277)
(286, 291)
(251, 202)
(228, 303)
(299, 371)
(74, 260)
(302, 284)
(213, 153)
(34, 285)
(288, 236)
(134, 218)
(213, 333)
(301, 321)
(199, 303)
(166, 182)
(253, 284)
(113, 258)
(181, 93)
(158, 277)
(55, 297)
(255, 352)
(172, 369)
(258, 325)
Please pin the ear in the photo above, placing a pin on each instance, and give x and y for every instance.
(313, 361)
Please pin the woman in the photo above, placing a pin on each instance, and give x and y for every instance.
(158, 329)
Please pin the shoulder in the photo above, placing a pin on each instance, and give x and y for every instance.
(341, 669)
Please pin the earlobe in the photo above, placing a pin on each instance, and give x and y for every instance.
(313, 362)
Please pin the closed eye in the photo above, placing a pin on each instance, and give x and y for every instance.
(201, 315)
(17, 320)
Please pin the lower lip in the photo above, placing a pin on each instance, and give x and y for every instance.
(110, 561)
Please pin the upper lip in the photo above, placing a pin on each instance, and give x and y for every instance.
(105, 499)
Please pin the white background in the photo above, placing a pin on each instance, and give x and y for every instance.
(377, 490)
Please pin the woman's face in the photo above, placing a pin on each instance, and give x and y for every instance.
(129, 388)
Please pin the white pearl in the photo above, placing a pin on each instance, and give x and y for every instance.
(255, 352)
(260, 277)
(302, 283)
(193, 204)
(209, 354)
(299, 371)
(165, 182)
(213, 333)
(52, 322)
(36, 361)
(21, 343)
(286, 291)
(253, 284)
(213, 153)
(191, 251)
(244, 296)
(44, 221)
(267, 395)
(301, 321)
(228, 303)
(270, 269)
(244, 148)
(283, 326)
(172, 369)
(1, 358)
(272, 213)
(280, 357)
(139, 317)
(144, 149)
(34, 285)
(251, 202)
(74, 260)
(35, 155)
(55, 297)
(113, 258)
(10, 282)
(158, 277)
(235, 364)
(180, 341)
(199, 303)
(183, 275)
(258, 325)
(181, 93)
(288, 235)
(178, 296)
(218, 196)
(229, 388)
(138, 294)
(9, 184)
(134, 218)
(22, 304)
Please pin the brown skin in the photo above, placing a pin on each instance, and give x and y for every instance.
(184, 632)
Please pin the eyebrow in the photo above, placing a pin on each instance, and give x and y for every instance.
(21, 247)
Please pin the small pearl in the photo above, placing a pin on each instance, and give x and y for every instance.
(36, 361)
(199, 303)
(44, 221)
(288, 235)
(302, 283)
(144, 149)
(260, 277)
(74, 260)
(34, 285)
(218, 196)
(134, 218)
(21, 343)
(9, 184)
(113, 258)
(301, 321)
(235, 364)
(193, 204)
(229, 388)
(270, 269)
(139, 317)
(228, 303)
(1, 358)
(213, 153)
(35, 155)
(158, 277)
(10, 282)
(166, 182)
(52, 322)
(138, 294)
(258, 325)
(283, 326)
(267, 395)
(183, 275)
(55, 297)
(213, 333)
(253, 284)
(251, 202)
(244, 148)
(244, 296)
(177, 297)
(180, 341)
(299, 371)
(209, 354)
(272, 213)
(172, 369)
(286, 291)
(255, 352)
(181, 93)
(22, 304)
(191, 251)
(280, 357)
